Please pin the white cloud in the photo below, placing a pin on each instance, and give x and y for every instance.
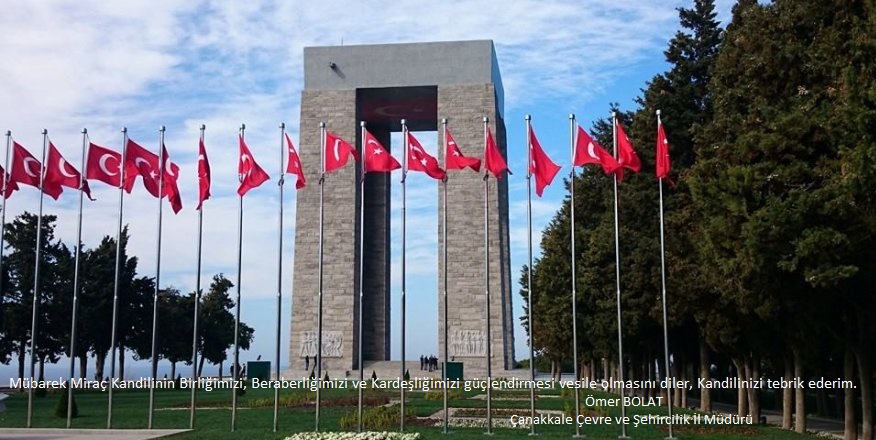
(144, 63)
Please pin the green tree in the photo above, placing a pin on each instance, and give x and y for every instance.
(20, 236)
(785, 214)
(217, 323)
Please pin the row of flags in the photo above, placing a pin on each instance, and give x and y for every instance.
(105, 165)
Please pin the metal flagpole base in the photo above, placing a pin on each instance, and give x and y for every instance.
(670, 438)
(490, 433)
(579, 435)
(623, 437)
(534, 434)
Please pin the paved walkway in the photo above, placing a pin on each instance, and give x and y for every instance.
(75, 434)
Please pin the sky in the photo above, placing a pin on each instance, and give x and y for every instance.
(143, 64)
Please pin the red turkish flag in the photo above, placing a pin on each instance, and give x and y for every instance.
(626, 156)
(251, 174)
(169, 178)
(587, 151)
(24, 168)
(453, 158)
(493, 161)
(104, 165)
(377, 159)
(203, 175)
(293, 166)
(337, 152)
(420, 160)
(142, 162)
(662, 153)
(60, 172)
(11, 187)
(540, 165)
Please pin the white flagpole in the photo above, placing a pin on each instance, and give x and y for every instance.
(319, 269)
(487, 285)
(361, 279)
(157, 280)
(116, 281)
(279, 277)
(36, 283)
(665, 306)
(444, 275)
(236, 365)
(3, 209)
(197, 303)
(403, 260)
(529, 272)
(620, 337)
(572, 141)
(75, 313)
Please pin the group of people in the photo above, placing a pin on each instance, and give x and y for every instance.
(429, 363)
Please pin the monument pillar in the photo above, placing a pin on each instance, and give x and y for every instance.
(382, 84)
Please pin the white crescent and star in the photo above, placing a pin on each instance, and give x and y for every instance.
(337, 153)
(243, 159)
(101, 163)
(139, 160)
(377, 149)
(591, 151)
(27, 169)
(62, 166)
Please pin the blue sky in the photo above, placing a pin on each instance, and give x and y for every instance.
(180, 63)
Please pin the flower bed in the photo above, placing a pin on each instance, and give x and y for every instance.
(368, 435)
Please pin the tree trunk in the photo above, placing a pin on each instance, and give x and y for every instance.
(42, 368)
(606, 371)
(83, 366)
(788, 395)
(866, 375)
(800, 397)
(706, 374)
(741, 395)
(684, 376)
(98, 367)
(121, 362)
(678, 371)
(200, 366)
(821, 403)
(221, 365)
(21, 359)
(752, 370)
(850, 427)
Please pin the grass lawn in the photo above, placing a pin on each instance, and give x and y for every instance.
(255, 414)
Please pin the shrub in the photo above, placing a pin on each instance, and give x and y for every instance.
(381, 417)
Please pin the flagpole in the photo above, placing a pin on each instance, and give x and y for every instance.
(75, 313)
(529, 272)
(197, 305)
(361, 279)
(319, 269)
(36, 283)
(444, 275)
(279, 281)
(116, 281)
(403, 246)
(620, 338)
(3, 209)
(665, 306)
(235, 366)
(572, 141)
(157, 280)
(487, 286)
